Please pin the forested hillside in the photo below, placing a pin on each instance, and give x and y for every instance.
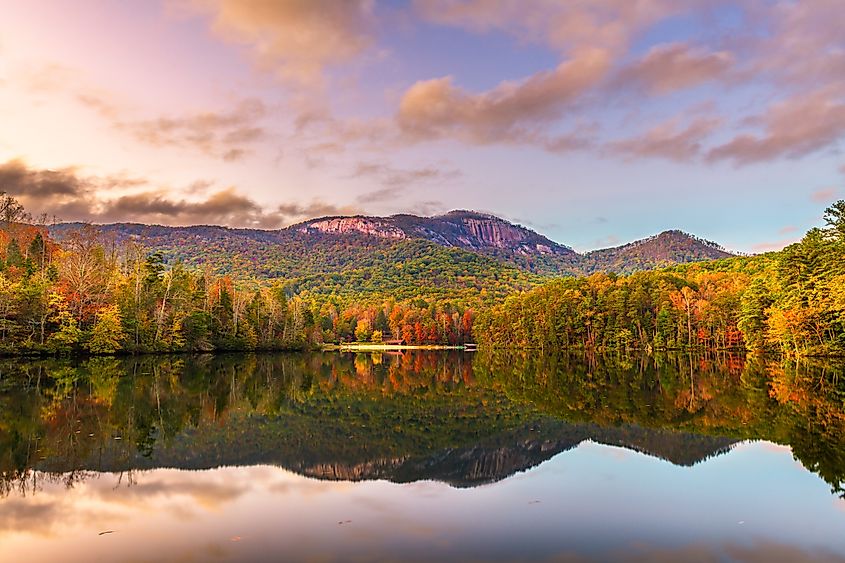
(93, 292)
(133, 288)
(791, 301)
(666, 249)
(333, 244)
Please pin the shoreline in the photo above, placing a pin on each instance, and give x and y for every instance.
(372, 347)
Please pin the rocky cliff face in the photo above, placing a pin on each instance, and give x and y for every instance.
(354, 225)
(462, 229)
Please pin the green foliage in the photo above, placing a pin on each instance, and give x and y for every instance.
(468, 419)
(297, 290)
(85, 298)
(107, 336)
(792, 301)
(14, 257)
(67, 335)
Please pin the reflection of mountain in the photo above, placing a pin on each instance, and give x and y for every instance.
(465, 419)
(494, 456)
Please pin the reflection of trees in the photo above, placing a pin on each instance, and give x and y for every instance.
(59, 415)
(814, 395)
(798, 404)
(190, 411)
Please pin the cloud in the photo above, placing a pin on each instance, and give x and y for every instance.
(427, 208)
(296, 38)
(17, 180)
(316, 208)
(674, 66)
(792, 128)
(825, 195)
(801, 44)
(788, 229)
(670, 140)
(593, 40)
(223, 207)
(563, 26)
(511, 112)
(225, 134)
(395, 181)
(74, 197)
(229, 134)
(45, 78)
(771, 246)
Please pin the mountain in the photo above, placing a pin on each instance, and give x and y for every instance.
(480, 455)
(468, 230)
(453, 255)
(665, 249)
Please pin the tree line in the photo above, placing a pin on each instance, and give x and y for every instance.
(792, 301)
(89, 294)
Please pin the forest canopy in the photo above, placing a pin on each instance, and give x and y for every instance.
(85, 292)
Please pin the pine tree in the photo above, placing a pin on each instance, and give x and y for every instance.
(14, 257)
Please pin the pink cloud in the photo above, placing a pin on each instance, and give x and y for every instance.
(571, 25)
(773, 245)
(512, 111)
(669, 140)
(791, 128)
(826, 195)
(675, 66)
(296, 39)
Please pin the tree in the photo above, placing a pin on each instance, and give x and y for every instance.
(14, 257)
(11, 210)
(86, 272)
(107, 336)
(67, 335)
(363, 330)
(834, 216)
(37, 252)
(380, 323)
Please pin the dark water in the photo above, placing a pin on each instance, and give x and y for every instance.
(422, 456)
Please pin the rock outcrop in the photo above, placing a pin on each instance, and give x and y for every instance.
(468, 230)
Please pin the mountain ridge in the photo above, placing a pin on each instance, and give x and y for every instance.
(348, 241)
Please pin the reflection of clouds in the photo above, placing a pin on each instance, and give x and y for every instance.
(307, 486)
(210, 495)
(101, 502)
(47, 515)
(762, 445)
(760, 552)
(427, 489)
(209, 551)
(617, 453)
(195, 516)
(772, 448)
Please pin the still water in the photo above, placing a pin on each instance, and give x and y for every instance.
(422, 456)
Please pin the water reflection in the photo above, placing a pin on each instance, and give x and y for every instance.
(365, 454)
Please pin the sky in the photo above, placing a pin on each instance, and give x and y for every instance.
(594, 122)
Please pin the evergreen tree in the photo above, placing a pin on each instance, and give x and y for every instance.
(14, 257)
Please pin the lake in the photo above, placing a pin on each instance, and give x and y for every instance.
(422, 456)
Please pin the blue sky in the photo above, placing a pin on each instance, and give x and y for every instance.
(594, 122)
